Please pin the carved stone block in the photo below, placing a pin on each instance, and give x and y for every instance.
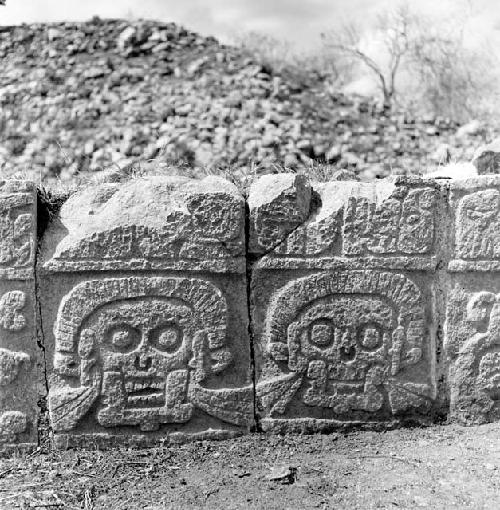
(475, 204)
(144, 303)
(342, 348)
(344, 309)
(472, 341)
(473, 349)
(20, 357)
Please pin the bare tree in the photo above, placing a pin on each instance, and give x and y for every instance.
(393, 29)
(303, 66)
(453, 78)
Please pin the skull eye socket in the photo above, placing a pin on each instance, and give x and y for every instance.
(321, 333)
(167, 338)
(370, 337)
(123, 338)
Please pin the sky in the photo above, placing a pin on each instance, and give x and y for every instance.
(298, 21)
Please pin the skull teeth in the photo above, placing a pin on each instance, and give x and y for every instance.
(152, 400)
(135, 385)
(145, 392)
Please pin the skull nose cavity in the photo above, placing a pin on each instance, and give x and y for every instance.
(347, 353)
(143, 362)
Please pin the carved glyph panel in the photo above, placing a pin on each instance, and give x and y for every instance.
(10, 365)
(400, 224)
(19, 361)
(478, 226)
(167, 222)
(12, 304)
(19, 364)
(16, 225)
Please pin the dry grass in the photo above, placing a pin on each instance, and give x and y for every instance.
(55, 188)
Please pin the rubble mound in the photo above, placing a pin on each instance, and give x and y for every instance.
(80, 97)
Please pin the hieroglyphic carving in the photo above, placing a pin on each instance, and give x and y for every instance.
(313, 238)
(19, 360)
(348, 340)
(402, 223)
(17, 245)
(152, 223)
(140, 347)
(11, 304)
(18, 366)
(478, 226)
(475, 374)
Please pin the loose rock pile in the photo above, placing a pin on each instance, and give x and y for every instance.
(79, 97)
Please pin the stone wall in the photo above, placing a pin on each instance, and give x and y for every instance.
(165, 308)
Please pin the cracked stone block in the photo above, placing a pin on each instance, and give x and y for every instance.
(144, 308)
(21, 375)
(345, 311)
(278, 204)
(472, 342)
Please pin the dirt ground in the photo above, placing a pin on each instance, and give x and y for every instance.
(440, 467)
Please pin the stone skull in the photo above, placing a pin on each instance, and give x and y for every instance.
(143, 347)
(342, 343)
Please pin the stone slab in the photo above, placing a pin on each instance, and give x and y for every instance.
(149, 224)
(390, 218)
(18, 240)
(472, 343)
(155, 354)
(473, 348)
(21, 360)
(345, 310)
(145, 309)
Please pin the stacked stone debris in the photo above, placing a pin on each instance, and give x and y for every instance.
(79, 97)
(166, 309)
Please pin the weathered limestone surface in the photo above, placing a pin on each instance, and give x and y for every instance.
(472, 325)
(155, 223)
(278, 205)
(344, 312)
(168, 308)
(21, 361)
(143, 295)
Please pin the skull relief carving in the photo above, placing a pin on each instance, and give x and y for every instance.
(145, 346)
(344, 341)
(140, 346)
(342, 344)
